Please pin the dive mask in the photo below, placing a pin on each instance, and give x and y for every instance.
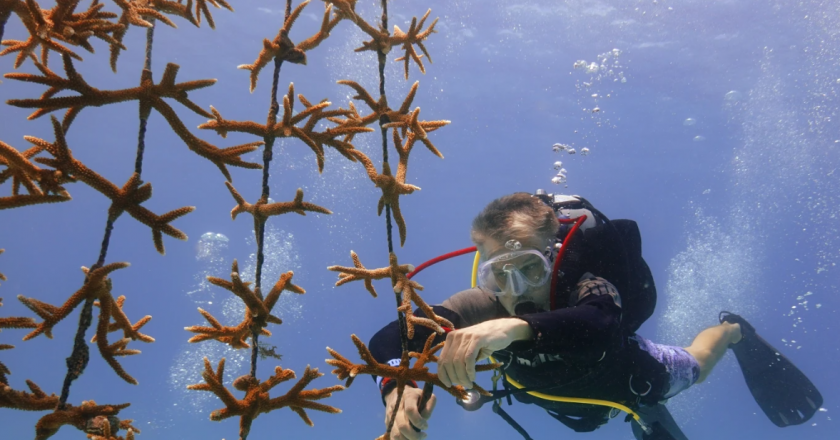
(514, 272)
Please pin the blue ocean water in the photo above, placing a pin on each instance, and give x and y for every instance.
(716, 131)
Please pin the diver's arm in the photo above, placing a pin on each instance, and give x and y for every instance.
(463, 309)
(385, 345)
(585, 330)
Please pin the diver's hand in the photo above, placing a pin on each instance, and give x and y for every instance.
(408, 414)
(466, 346)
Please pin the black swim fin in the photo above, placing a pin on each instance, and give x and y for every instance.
(783, 392)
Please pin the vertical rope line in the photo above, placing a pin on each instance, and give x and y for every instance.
(268, 154)
(141, 136)
(383, 119)
(80, 356)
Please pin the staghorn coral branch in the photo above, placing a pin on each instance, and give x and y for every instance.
(61, 23)
(403, 118)
(403, 374)
(78, 417)
(257, 314)
(382, 42)
(288, 126)
(414, 36)
(262, 210)
(97, 285)
(125, 199)
(149, 95)
(360, 272)
(391, 188)
(13, 323)
(132, 15)
(257, 400)
(121, 322)
(43, 185)
(408, 289)
(37, 400)
(282, 48)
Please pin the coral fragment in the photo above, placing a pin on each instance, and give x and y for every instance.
(257, 400)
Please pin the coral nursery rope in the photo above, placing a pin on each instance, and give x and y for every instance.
(383, 119)
(268, 154)
(79, 357)
(147, 65)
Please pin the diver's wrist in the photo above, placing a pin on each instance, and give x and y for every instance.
(521, 330)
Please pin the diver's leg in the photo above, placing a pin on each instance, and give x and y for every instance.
(711, 344)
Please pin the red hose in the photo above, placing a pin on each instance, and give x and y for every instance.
(439, 259)
(578, 221)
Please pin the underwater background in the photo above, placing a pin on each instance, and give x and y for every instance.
(715, 129)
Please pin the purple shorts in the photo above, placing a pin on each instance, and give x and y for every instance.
(680, 364)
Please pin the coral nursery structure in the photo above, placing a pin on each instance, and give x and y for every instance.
(46, 171)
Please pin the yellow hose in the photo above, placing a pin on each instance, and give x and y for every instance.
(581, 400)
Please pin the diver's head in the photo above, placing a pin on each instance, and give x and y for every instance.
(513, 234)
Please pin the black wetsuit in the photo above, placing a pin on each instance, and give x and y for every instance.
(581, 350)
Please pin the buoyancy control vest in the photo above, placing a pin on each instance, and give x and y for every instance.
(610, 249)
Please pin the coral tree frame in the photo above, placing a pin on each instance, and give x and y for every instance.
(41, 173)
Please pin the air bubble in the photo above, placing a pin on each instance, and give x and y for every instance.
(558, 147)
(732, 96)
(513, 245)
(689, 122)
(596, 110)
(699, 138)
(558, 165)
(623, 80)
(558, 179)
(570, 150)
(592, 67)
(584, 151)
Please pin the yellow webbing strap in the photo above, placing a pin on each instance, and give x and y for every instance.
(474, 277)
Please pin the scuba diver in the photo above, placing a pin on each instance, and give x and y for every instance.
(561, 291)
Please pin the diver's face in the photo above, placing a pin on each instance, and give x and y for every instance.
(538, 295)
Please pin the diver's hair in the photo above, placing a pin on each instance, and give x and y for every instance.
(516, 216)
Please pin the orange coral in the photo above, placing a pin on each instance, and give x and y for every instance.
(257, 313)
(81, 417)
(392, 188)
(11, 323)
(360, 272)
(101, 428)
(403, 374)
(97, 285)
(262, 210)
(286, 126)
(382, 41)
(125, 199)
(135, 10)
(403, 117)
(37, 400)
(257, 399)
(408, 289)
(60, 23)
(282, 47)
(149, 94)
(42, 185)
